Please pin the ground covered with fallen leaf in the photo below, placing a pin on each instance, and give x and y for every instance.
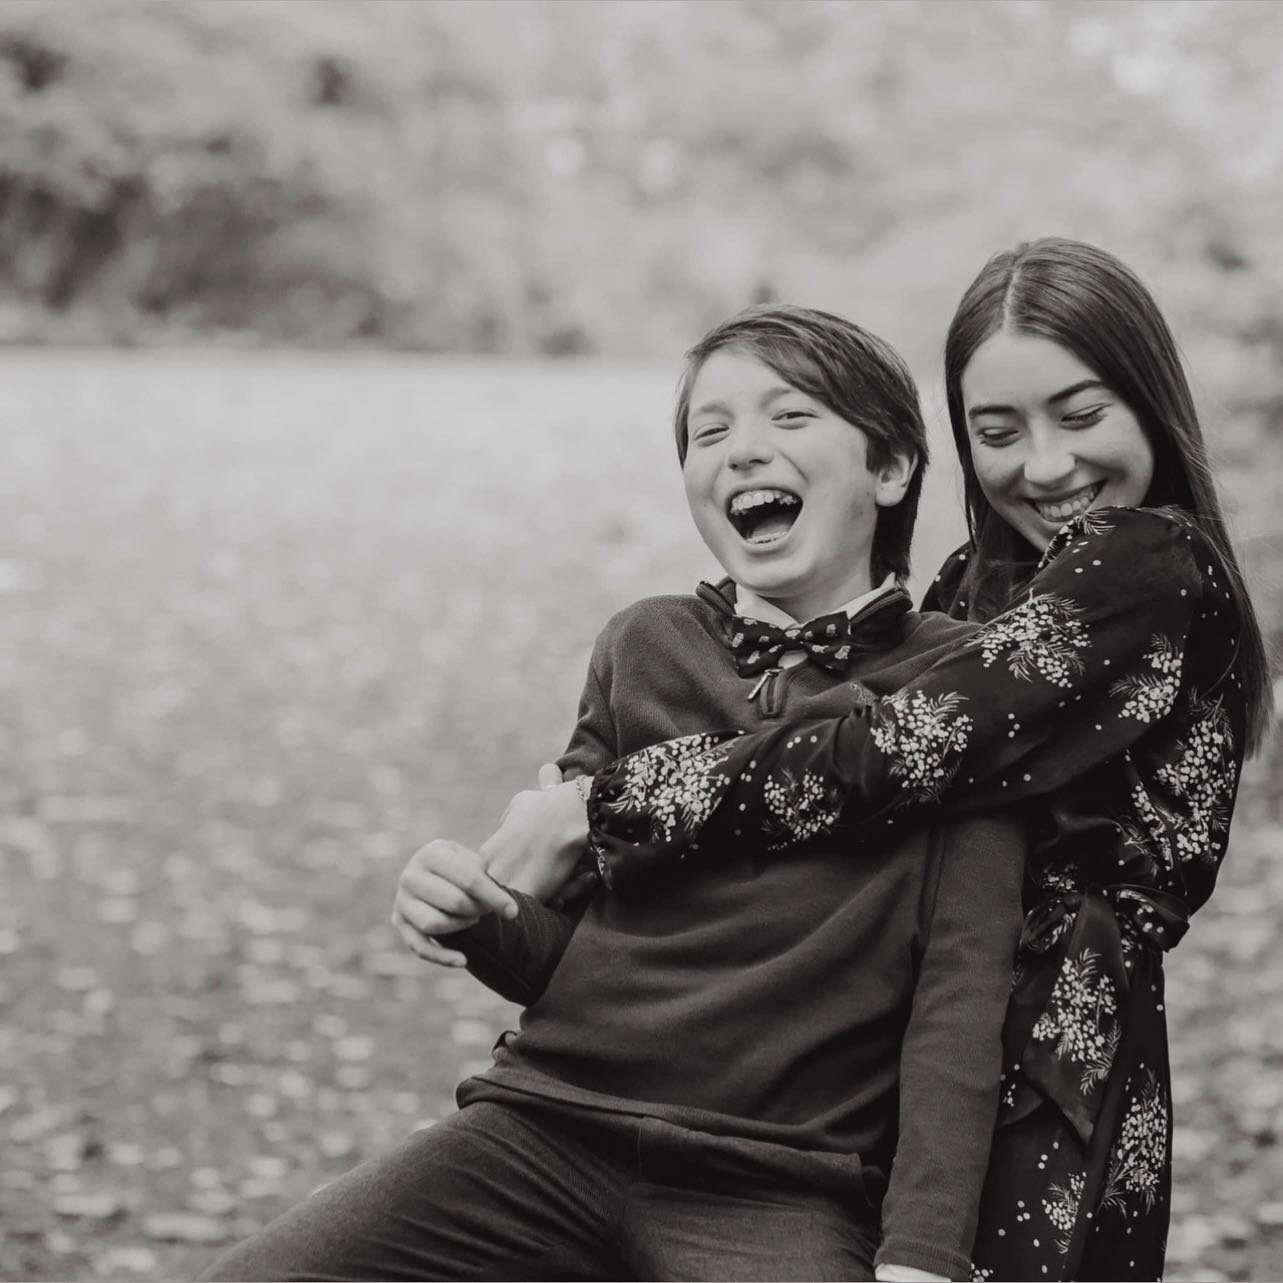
(266, 624)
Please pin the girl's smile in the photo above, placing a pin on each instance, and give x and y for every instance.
(1049, 440)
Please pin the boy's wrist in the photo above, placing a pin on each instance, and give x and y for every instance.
(888, 1272)
(916, 1260)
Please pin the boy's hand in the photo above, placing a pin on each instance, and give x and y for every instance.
(444, 888)
(541, 836)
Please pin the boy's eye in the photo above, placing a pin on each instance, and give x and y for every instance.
(708, 432)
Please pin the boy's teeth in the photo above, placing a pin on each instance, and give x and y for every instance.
(751, 499)
(1064, 509)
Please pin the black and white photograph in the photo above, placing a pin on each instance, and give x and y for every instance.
(641, 639)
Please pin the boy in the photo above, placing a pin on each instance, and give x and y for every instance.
(712, 1077)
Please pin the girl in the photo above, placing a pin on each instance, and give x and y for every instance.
(1117, 682)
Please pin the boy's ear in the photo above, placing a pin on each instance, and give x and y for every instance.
(894, 476)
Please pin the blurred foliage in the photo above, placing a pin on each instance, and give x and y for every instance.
(566, 177)
(269, 621)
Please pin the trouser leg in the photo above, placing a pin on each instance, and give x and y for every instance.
(491, 1192)
(710, 1208)
(751, 1234)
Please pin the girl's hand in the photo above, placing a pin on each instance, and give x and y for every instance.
(444, 888)
(539, 840)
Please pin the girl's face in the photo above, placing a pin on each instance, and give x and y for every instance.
(1049, 440)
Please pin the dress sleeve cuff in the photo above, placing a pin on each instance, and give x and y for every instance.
(590, 791)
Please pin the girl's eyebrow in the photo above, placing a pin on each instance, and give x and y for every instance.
(977, 410)
(1084, 385)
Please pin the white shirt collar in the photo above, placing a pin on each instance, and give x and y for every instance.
(751, 606)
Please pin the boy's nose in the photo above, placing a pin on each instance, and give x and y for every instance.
(749, 447)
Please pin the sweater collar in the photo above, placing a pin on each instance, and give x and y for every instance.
(751, 606)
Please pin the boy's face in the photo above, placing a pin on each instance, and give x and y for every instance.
(780, 487)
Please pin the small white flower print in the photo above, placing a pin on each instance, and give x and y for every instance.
(676, 783)
(1201, 779)
(798, 808)
(1139, 839)
(1139, 1157)
(1080, 1018)
(923, 738)
(1042, 635)
(1061, 1207)
(1152, 695)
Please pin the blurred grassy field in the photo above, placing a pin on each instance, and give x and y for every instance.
(266, 623)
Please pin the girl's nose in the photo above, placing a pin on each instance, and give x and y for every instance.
(1049, 460)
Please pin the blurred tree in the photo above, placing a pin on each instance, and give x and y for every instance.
(563, 177)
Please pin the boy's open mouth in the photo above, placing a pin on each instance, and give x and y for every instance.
(763, 516)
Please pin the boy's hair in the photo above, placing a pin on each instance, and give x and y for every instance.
(855, 374)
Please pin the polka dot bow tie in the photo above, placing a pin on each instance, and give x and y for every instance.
(829, 640)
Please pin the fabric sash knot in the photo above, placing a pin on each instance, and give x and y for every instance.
(1075, 988)
(1153, 917)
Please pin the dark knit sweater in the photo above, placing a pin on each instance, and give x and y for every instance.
(834, 1012)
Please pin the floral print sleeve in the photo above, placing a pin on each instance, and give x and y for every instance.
(1072, 675)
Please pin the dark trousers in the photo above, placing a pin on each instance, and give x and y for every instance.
(500, 1191)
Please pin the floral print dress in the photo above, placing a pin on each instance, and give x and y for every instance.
(1105, 702)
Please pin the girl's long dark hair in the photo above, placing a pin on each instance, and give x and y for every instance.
(1088, 302)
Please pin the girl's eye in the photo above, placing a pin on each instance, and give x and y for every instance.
(996, 436)
(793, 416)
(1085, 418)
